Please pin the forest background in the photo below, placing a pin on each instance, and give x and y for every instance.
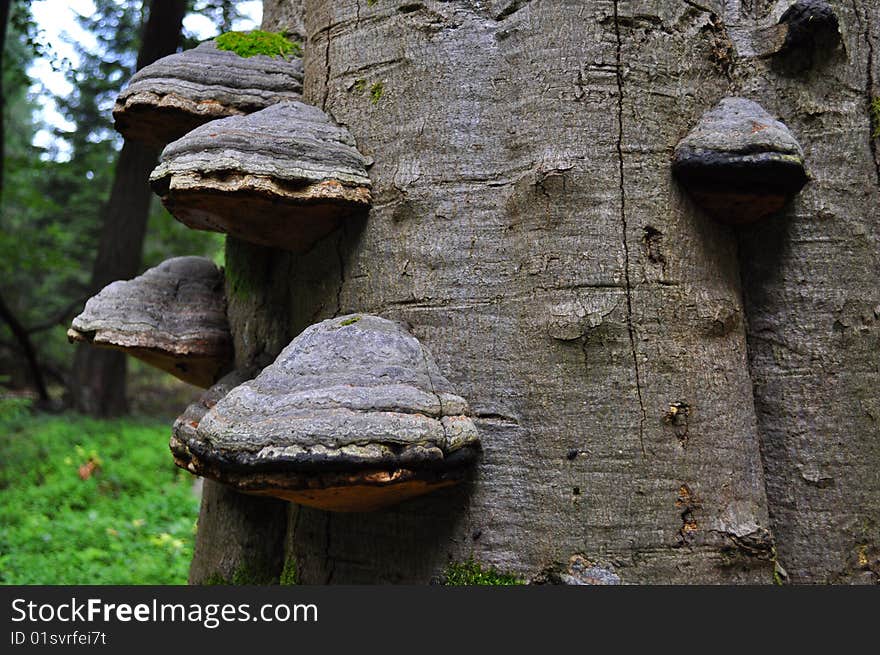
(89, 493)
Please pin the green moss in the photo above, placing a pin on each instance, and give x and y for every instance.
(370, 3)
(376, 91)
(257, 42)
(246, 574)
(360, 85)
(349, 321)
(777, 577)
(875, 117)
(470, 573)
(288, 575)
(214, 580)
(253, 574)
(239, 284)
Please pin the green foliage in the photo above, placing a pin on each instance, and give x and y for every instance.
(350, 321)
(167, 237)
(360, 85)
(52, 205)
(14, 409)
(376, 91)
(222, 13)
(131, 521)
(257, 42)
(470, 573)
(875, 117)
(102, 70)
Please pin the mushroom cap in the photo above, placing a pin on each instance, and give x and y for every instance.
(172, 317)
(283, 177)
(353, 415)
(175, 94)
(739, 162)
(185, 426)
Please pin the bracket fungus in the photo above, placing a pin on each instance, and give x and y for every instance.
(186, 424)
(172, 317)
(739, 163)
(352, 416)
(283, 177)
(809, 25)
(175, 94)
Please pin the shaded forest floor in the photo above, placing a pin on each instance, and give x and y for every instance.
(85, 501)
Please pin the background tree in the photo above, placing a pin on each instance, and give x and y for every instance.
(57, 195)
(100, 374)
(525, 223)
(16, 134)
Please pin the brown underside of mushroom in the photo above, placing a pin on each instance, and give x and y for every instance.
(201, 371)
(358, 497)
(261, 210)
(364, 491)
(157, 120)
(739, 208)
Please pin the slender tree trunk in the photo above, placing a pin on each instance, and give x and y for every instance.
(6, 314)
(526, 224)
(99, 375)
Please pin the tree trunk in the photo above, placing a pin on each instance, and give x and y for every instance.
(813, 304)
(99, 375)
(525, 223)
(6, 314)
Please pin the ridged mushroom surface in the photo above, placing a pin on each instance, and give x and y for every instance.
(353, 415)
(284, 177)
(175, 94)
(173, 317)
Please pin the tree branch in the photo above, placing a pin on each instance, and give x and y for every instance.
(58, 318)
(27, 348)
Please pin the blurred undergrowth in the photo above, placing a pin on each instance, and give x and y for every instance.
(86, 501)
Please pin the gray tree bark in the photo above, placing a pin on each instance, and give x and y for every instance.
(525, 223)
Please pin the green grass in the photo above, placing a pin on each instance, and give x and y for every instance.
(131, 522)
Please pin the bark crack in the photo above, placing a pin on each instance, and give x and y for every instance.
(341, 260)
(869, 92)
(869, 86)
(326, 70)
(623, 221)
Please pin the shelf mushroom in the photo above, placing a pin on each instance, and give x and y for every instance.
(172, 317)
(185, 426)
(175, 94)
(283, 177)
(809, 25)
(739, 163)
(352, 416)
